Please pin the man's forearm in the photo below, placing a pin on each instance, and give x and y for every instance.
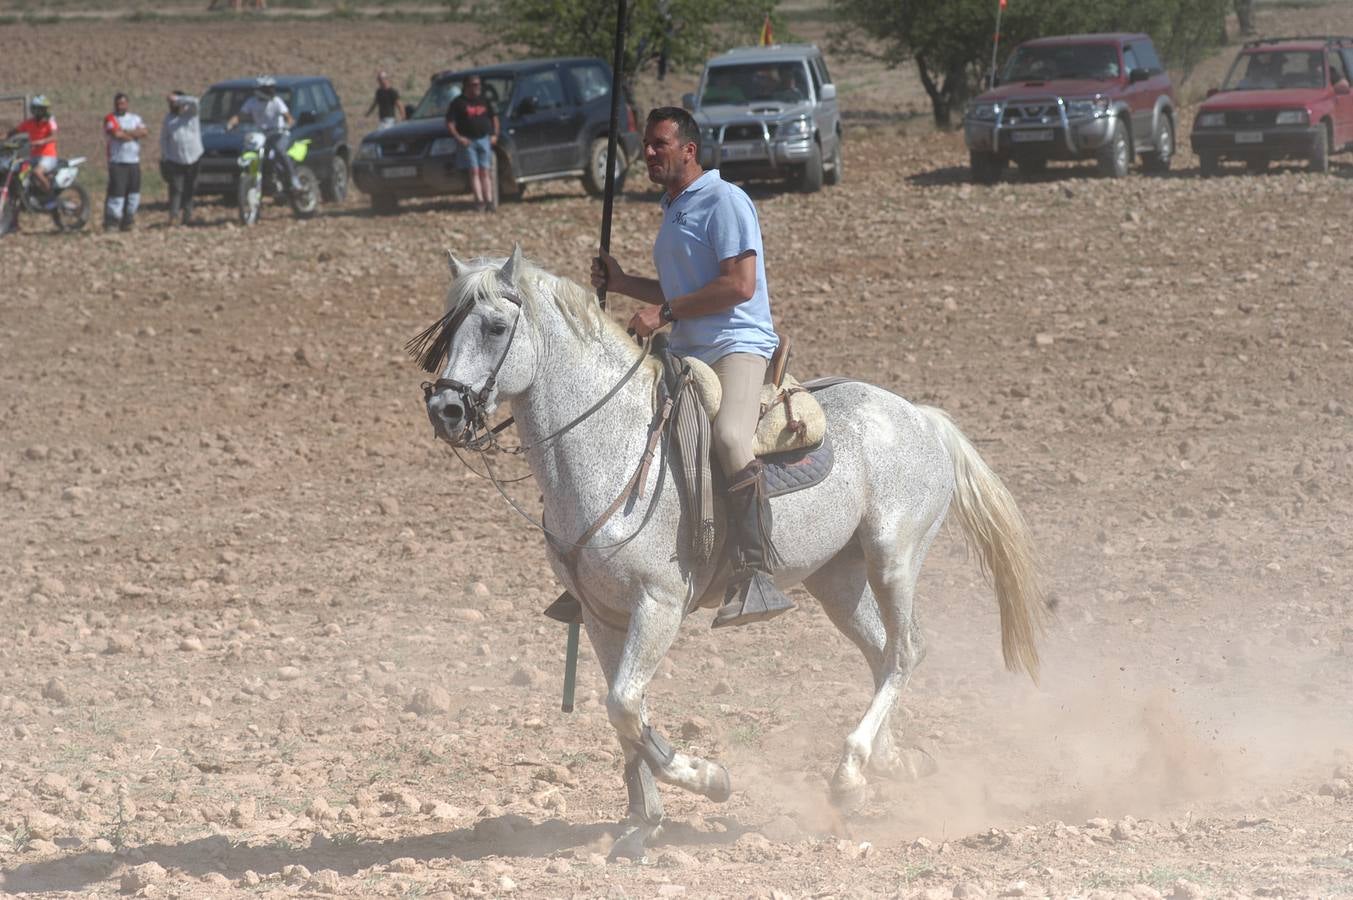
(645, 290)
(721, 294)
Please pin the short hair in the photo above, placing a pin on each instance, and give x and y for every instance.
(687, 130)
(119, 96)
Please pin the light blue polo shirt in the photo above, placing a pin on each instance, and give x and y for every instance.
(707, 223)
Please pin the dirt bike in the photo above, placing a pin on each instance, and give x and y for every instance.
(261, 176)
(67, 202)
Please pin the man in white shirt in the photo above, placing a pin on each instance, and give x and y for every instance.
(123, 131)
(270, 114)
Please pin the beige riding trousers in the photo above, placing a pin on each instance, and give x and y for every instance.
(734, 428)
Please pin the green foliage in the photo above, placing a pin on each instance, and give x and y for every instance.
(683, 32)
(950, 41)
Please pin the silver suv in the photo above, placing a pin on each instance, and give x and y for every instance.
(769, 113)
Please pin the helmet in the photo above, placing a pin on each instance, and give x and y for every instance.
(40, 107)
(265, 86)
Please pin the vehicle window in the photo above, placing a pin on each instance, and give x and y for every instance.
(755, 82)
(816, 75)
(317, 96)
(305, 101)
(822, 66)
(544, 89)
(219, 104)
(1146, 57)
(1276, 70)
(439, 96)
(1056, 61)
(590, 81)
(1337, 69)
(1130, 58)
(331, 96)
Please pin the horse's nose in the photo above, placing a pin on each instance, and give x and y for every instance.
(447, 414)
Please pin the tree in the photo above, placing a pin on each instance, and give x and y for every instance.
(950, 40)
(660, 34)
(1245, 16)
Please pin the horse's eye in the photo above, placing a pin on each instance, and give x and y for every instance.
(497, 329)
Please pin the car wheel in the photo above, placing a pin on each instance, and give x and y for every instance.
(1256, 165)
(335, 188)
(384, 204)
(810, 179)
(1158, 160)
(1032, 167)
(986, 167)
(594, 176)
(1116, 154)
(836, 172)
(1320, 153)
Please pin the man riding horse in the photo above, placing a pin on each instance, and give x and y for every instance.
(711, 287)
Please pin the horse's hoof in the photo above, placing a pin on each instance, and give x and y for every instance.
(633, 843)
(848, 797)
(911, 764)
(722, 788)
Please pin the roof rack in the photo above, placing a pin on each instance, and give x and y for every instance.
(1327, 39)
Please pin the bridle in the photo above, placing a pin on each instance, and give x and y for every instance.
(475, 402)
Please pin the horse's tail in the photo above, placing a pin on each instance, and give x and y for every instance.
(995, 528)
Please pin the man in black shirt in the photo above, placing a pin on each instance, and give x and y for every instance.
(473, 122)
(386, 101)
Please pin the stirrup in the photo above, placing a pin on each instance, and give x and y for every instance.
(566, 609)
(757, 600)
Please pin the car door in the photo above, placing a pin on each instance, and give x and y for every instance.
(590, 83)
(305, 110)
(1138, 97)
(828, 112)
(1343, 103)
(542, 122)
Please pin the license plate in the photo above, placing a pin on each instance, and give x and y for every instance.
(1249, 137)
(1026, 137)
(215, 178)
(738, 151)
(399, 172)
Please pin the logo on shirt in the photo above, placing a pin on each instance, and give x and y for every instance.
(679, 217)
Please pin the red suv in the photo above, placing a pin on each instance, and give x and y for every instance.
(1104, 97)
(1284, 98)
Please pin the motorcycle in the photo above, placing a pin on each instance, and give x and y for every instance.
(260, 176)
(67, 203)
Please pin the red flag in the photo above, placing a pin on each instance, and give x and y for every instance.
(767, 38)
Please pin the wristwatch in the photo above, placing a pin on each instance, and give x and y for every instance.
(666, 313)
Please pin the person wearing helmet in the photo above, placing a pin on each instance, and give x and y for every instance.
(41, 130)
(270, 114)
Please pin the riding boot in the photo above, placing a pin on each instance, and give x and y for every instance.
(752, 595)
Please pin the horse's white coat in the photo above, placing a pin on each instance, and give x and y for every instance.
(857, 541)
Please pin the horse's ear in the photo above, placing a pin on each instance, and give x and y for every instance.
(456, 265)
(511, 269)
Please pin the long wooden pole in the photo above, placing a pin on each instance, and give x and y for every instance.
(607, 207)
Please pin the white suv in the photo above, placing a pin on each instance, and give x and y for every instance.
(769, 113)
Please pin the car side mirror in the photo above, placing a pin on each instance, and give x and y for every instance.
(527, 106)
(1341, 88)
(688, 101)
(1212, 92)
(307, 118)
(829, 92)
(1137, 75)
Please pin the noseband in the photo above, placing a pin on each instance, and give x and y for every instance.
(478, 436)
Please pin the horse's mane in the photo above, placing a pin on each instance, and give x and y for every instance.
(478, 280)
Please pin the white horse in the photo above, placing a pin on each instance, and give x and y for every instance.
(513, 332)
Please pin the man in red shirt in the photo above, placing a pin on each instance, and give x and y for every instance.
(41, 130)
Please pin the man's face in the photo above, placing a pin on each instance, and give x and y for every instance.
(472, 87)
(665, 154)
(120, 105)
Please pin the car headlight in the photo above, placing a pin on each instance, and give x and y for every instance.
(1293, 117)
(710, 134)
(443, 147)
(1211, 120)
(984, 112)
(370, 150)
(796, 129)
(1082, 109)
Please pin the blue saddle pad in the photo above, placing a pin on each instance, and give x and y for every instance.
(798, 469)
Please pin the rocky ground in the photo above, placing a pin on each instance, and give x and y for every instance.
(261, 636)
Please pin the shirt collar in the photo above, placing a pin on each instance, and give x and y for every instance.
(710, 176)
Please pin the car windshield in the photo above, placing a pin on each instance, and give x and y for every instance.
(737, 85)
(1276, 70)
(497, 88)
(219, 104)
(1063, 61)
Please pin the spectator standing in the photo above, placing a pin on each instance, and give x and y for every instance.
(473, 122)
(386, 102)
(123, 130)
(180, 154)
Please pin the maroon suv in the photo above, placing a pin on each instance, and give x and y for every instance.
(1284, 98)
(1104, 97)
